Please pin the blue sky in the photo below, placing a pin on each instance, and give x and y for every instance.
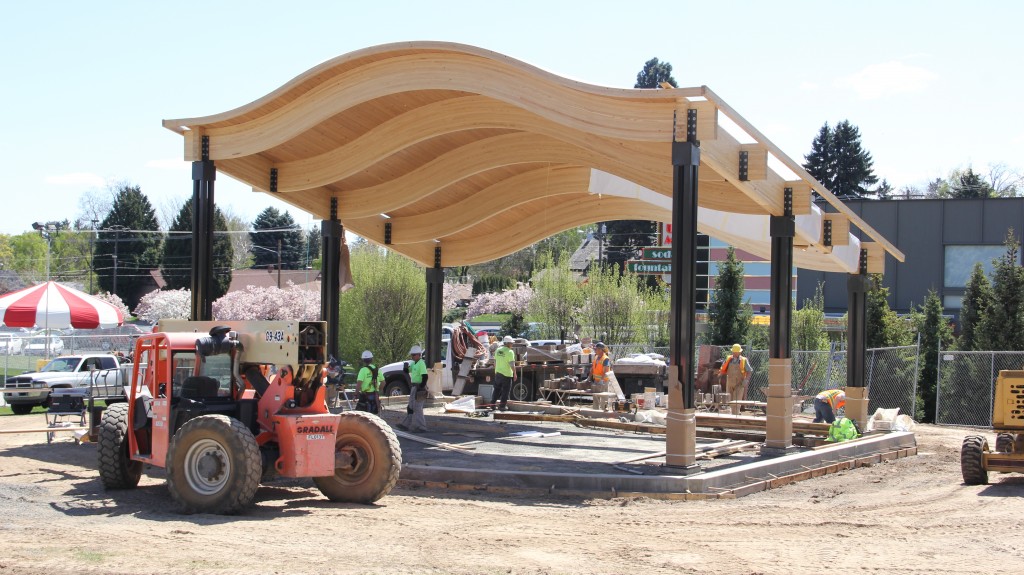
(932, 85)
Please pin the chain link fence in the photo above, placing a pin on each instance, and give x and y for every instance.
(966, 385)
(890, 372)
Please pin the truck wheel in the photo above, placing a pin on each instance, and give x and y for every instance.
(213, 465)
(1004, 442)
(971, 466)
(22, 408)
(376, 460)
(396, 385)
(117, 470)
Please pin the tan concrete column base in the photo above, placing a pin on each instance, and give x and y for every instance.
(857, 405)
(779, 428)
(434, 379)
(681, 440)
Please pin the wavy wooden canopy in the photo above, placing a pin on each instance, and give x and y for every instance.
(484, 155)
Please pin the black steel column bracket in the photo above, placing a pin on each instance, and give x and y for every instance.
(332, 233)
(204, 174)
(787, 201)
(862, 265)
(691, 127)
(683, 289)
(387, 233)
(273, 180)
(827, 233)
(437, 256)
(744, 163)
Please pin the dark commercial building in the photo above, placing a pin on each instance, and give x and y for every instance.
(942, 240)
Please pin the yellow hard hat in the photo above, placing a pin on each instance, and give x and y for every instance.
(737, 348)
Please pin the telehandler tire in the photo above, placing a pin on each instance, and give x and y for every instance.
(971, 466)
(213, 465)
(117, 470)
(1005, 442)
(376, 455)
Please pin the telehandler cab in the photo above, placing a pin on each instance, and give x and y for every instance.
(224, 405)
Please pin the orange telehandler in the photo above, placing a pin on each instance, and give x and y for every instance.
(224, 405)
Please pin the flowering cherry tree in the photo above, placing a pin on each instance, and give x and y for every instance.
(265, 303)
(165, 304)
(453, 293)
(516, 302)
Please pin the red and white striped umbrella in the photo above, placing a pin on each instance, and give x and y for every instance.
(51, 305)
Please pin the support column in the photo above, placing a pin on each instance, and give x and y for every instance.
(856, 348)
(435, 293)
(332, 233)
(204, 173)
(780, 361)
(681, 432)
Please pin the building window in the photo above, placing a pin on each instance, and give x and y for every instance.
(960, 260)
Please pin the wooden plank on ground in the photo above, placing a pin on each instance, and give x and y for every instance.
(514, 416)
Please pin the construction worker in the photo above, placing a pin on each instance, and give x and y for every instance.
(736, 369)
(601, 367)
(370, 380)
(414, 420)
(504, 373)
(827, 403)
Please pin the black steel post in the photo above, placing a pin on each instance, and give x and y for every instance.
(204, 173)
(857, 287)
(683, 293)
(332, 232)
(782, 229)
(435, 293)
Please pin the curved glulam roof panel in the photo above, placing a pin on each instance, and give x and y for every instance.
(484, 155)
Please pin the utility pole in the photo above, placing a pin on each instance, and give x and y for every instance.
(92, 254)
(278, 263)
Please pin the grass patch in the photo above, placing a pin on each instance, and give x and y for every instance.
(90, 556)
(491, 318)
(7, 410)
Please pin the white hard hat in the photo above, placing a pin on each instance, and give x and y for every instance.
(367, 354)
(507, 339)
(415, 350)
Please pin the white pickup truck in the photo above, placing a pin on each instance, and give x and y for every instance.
(102, 374)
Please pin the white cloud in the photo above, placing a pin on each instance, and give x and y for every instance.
(169, 164)
(887, 79)
(76, 179)
(808, 86)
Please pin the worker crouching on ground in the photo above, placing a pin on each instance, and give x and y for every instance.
(736, 369)
(504, 373)
(601, 367)
(414, 420)
(827, 403)
(370, 380)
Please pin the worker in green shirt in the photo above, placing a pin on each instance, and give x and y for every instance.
(504, 373)
(414, 420)
(370, 380)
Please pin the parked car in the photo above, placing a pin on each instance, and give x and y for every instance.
(10, 344)
(41, 345)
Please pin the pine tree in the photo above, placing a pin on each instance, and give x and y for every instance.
(1002, 324)
(177, 266)
(654, 73)
(935, 334)
(728, 315)
(967, 184)
(839, 162)
(977, 297)
(270, 227)
(131, 233)
(885, 328)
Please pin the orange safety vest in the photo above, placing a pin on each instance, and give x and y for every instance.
(743, 365)
(602, 365)
(836, 398)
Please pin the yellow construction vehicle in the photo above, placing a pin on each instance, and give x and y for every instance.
(1008, 422)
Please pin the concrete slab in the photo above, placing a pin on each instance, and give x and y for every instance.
(554, 457)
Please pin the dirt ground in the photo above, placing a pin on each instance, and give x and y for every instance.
(911, 515)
